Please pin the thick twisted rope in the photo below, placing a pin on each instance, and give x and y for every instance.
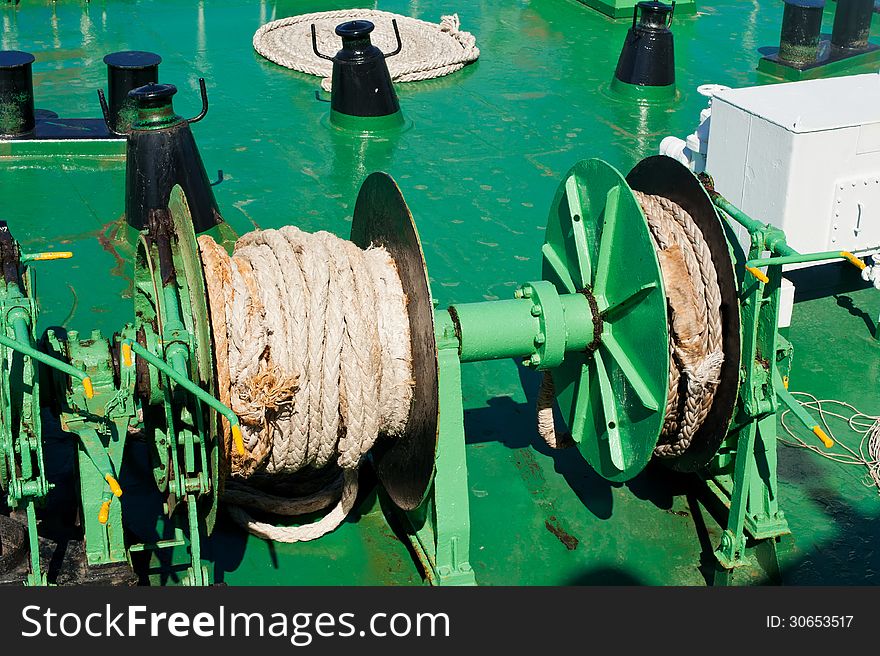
(694, 304)
(312, 344)
(429, 50)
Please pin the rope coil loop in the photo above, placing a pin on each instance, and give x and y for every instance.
(312, 345)
(429, 50)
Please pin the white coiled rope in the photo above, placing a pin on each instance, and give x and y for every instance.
(694, 303)
(866, 454)
(429, 50)
(312, 344)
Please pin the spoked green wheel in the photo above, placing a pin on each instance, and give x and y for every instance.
(613, 395)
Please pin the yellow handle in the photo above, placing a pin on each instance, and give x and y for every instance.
(42, 257)
(237, 439)
(126, 354)
(104, 513)
(87, 387)
(114, 486)
(856, 262)
(827, 441)
(758, 274)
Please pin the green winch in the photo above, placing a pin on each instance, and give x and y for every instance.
(597, 324)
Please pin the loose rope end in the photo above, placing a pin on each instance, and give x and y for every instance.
(822, 435)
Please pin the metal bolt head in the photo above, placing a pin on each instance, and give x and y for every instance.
(517, 293)
(527, 291)
(540, 338)
(537, 311)
(535, 360)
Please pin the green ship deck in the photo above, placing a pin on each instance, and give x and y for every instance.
(487, 148)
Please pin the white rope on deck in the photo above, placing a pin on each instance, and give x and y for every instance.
(429, 50)
(866, 454)
(312, 344)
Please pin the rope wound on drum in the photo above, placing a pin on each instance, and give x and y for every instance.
(693, 301)
(312, 348)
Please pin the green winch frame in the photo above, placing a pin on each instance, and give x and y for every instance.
(597, 321)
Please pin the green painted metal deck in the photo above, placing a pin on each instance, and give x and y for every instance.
(487, 148)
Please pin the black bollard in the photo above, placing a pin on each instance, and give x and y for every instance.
(16, 93)
(162, 153)
(362, 87)
(647, 61)
(852, 24)
(801, 24)
(127, 70)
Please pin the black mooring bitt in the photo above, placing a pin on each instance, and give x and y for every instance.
(16, 93)
(648, 55)
(852, 24)
(127, 70)
(801, 25)
(161, 153)
(361, 82)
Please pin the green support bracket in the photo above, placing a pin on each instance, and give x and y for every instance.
(22, 467)
(441, 524)
(101, 423)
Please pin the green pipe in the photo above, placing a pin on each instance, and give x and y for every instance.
(48, 360)
(752, 225)
(183, 381)
(800, 412)
(796, 259)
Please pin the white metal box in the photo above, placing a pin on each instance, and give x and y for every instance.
(803, 156)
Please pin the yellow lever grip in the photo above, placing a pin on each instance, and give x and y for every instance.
(43, 257)
(126, 354)
(237, 439)
(827, 441)
(114, 485)
(104, 513)
(856, 262)
(760, 275)
(87, 387)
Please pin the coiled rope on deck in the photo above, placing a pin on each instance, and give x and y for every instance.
(866, 454)
(694, 305)
(429, 50)
(312, 345)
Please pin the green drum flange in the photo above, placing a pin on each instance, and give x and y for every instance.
(613, 395)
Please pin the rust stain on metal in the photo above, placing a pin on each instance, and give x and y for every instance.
(567, 539)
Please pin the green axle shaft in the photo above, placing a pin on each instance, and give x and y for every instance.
(521, 328)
